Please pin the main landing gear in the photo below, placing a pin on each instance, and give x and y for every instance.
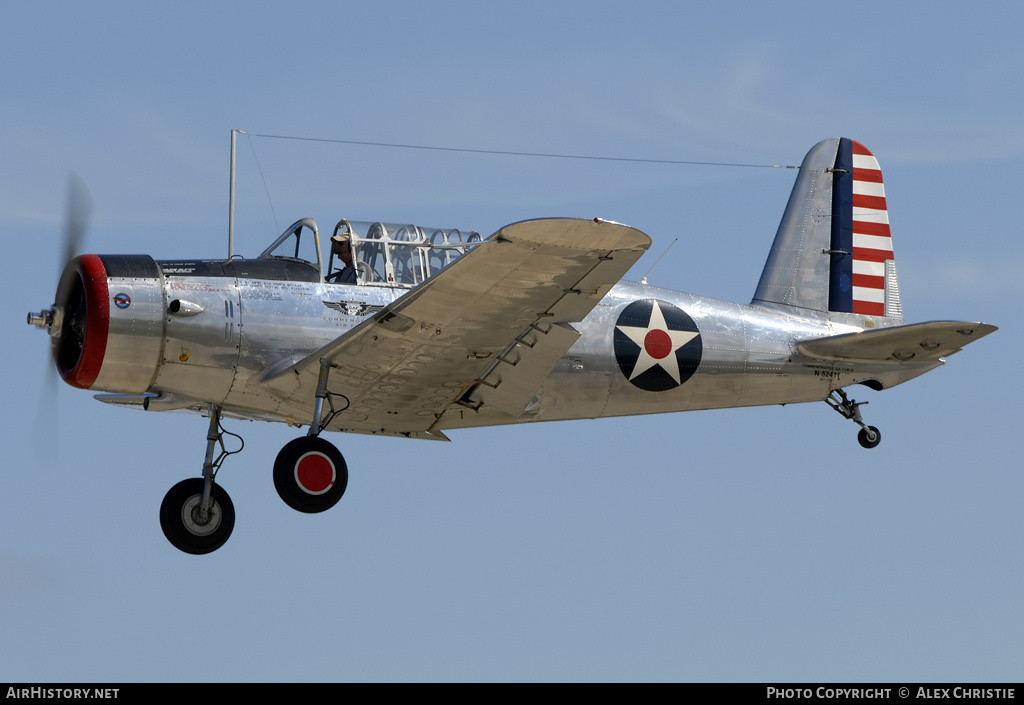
(310, 475)
(869, 436)
(196, 515)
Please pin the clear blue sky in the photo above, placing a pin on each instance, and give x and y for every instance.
(755, 544)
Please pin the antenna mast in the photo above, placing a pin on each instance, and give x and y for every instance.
(231, 199)
(644, 280)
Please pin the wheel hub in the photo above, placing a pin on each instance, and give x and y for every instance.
(194, 520)
(315, 473)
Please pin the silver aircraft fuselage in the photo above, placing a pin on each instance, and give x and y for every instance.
(747, 355)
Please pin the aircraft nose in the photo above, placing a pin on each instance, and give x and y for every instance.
(79, 320)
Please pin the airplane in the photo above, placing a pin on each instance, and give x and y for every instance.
(424, 330)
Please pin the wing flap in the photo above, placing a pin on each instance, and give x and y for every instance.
(917, 342)
(510, 383)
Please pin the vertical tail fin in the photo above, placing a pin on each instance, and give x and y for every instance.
(833, 251)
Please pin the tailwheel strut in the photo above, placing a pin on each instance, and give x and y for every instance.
(869, 436)
(310, 474)
(197, 516)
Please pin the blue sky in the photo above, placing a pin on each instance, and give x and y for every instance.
(752, 544)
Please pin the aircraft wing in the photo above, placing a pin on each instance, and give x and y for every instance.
(494, 323)
(917, 342)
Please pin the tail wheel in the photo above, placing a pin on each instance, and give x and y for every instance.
(310, 475)
(869, 437)
(184, 524)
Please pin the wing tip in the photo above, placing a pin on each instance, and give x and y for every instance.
(575, 233)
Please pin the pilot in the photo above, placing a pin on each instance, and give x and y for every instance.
(342, 248)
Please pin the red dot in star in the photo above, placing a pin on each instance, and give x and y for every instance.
(657, 344)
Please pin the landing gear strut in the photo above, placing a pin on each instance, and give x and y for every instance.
(869, 436)
(310, 474)
(196, 515)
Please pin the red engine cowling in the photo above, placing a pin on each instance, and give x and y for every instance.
(109, 320)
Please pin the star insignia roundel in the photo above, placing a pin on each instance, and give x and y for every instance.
(657, 345)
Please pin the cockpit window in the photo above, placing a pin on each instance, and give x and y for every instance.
(402, 256)
(374, 254)
(301, 241)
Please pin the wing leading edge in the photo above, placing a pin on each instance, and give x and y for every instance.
(486, 330)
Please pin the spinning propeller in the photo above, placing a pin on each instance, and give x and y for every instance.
(65, 320)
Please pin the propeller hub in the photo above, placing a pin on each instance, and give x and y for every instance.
(51, 319)
(43, 319)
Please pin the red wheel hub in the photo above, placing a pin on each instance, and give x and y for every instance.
(315, 473)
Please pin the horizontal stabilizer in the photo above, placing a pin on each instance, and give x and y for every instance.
(917, 342)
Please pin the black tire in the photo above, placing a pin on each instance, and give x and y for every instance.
(178, 518)
(325, 471)
(867, 441)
